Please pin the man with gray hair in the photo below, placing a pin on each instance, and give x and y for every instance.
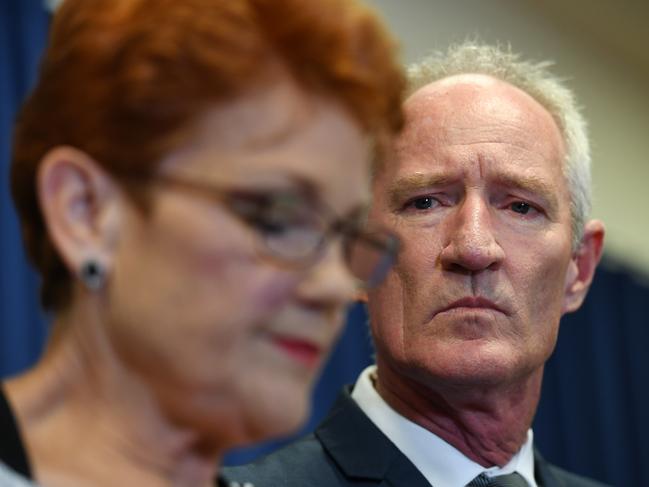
(488, 188)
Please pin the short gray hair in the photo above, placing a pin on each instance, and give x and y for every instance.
(536, 80)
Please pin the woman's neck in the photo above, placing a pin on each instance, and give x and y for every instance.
(86, 419)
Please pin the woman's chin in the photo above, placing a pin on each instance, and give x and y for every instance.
(281, 419)
(276, 406)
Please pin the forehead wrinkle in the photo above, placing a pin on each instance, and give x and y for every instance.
(424, 136)
(514, 133)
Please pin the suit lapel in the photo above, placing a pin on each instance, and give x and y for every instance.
(361, 451)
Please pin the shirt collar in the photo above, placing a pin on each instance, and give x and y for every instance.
(439, 462)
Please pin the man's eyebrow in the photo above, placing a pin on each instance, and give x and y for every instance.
(532, 185)
(405, 186)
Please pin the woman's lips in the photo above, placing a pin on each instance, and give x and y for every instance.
(302, 351)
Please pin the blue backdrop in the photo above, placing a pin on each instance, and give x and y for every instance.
(593, 413)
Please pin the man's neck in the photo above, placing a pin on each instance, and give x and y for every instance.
(488, 425)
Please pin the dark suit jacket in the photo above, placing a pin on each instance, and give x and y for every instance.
(347, 449)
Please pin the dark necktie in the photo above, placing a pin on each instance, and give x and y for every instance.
(510, 480)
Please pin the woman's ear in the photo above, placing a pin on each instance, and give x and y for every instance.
(80, 206)
(582, 267)
(361, 296)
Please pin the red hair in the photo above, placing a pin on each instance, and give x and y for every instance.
(121, 79)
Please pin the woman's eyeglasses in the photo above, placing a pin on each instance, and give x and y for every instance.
(295, 231)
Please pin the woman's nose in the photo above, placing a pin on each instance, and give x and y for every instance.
(329, 283)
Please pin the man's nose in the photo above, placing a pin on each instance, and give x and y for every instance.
(328, 285)
(471, 244)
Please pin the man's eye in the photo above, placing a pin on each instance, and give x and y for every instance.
(423, 203)
(520, 207)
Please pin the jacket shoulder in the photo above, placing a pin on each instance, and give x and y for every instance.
(301, 463)
(568, 479)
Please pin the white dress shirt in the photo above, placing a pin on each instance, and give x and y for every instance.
(439, 462)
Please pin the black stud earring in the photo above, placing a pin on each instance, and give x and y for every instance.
(93, 275)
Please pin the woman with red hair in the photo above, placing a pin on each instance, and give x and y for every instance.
(190, 178)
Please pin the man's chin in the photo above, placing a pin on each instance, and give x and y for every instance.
(475, 362)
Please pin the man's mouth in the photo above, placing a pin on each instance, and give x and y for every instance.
(472, 302)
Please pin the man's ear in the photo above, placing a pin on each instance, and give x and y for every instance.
(582, 267)
(80, 206)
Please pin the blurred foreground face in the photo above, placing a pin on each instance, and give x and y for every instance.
(195, 309)
(477, 194)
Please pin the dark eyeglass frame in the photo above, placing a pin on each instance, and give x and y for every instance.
(246, 206)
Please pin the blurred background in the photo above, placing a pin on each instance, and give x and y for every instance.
(593, 414)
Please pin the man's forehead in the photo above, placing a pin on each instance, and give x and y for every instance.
(474, 79)
(461, 123)
(460, 97)
(472, 109)
(467, 83)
